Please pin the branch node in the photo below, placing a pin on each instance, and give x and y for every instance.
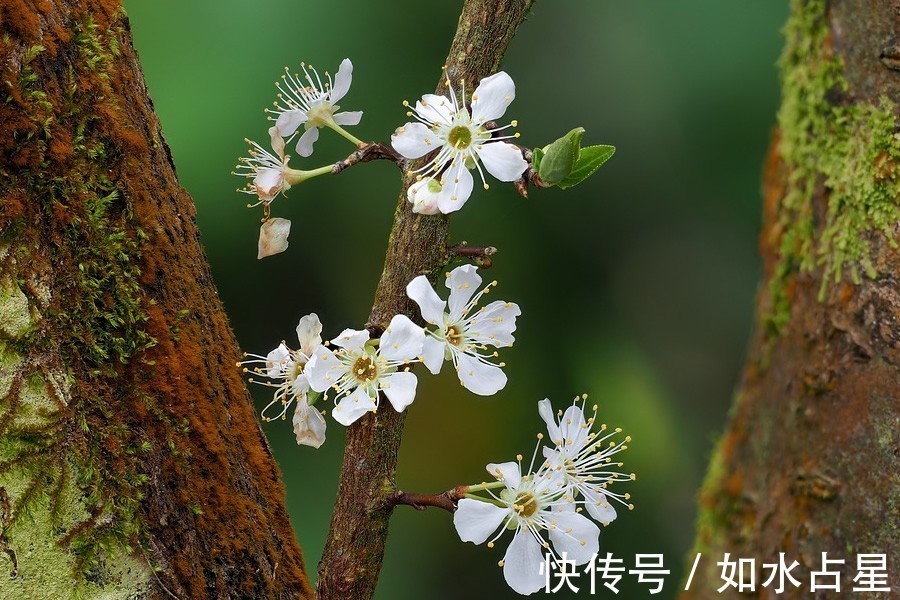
(368, 152)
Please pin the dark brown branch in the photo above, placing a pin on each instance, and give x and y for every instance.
(369, 152)
(351, 561)
(482, 255)
(446, 500)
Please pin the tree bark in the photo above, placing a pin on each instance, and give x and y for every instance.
(354, 550)
(131, 459)
(810, 460)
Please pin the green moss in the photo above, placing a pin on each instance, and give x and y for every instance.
(34, 565)
(15, 317)
(107, 313)
(711, 521)
(71, 484)
(10, 362)
(850, 148)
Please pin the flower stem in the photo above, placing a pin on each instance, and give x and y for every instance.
(486, 486)
(483, 499)
(346, 134)
(296, 176)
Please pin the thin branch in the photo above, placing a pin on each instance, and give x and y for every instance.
(354, 551)
(446, 500)
(155, 575)
(371, 151)
(482, 255)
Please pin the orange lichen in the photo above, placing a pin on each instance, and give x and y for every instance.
(164, 420)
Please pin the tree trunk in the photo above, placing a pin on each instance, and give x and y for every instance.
(810, 460)
(351, 561)
(131, 460)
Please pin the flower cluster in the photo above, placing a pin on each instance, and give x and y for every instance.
(358, 370)
(548, 502)
(308, 101)
(455, 136)
(285, 370)
(555, 504)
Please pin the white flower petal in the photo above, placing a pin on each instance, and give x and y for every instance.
(268, 183)
(463, 282)
(598, 505)
(555, 477)
(348, 118)
(522, 563)
(478, 377)
(402, 340)
(301, 386)
(277, 360)
(502, 160)
(324, 369)
(494, 324)
(309, 333)
(342, 82)
(352, 340)
(353, 406)
(306, 141)
(273, 237)
(430, 304)
(309, 425)
(436, 109)
(574, 534)
(414, 140)
(545, 409)
(423, 199)
(433, 354)
(509, 473)
(400, 389)
(277, 141)
(573, 428)
(288, 121)
(492, 96)
(475, 520)
(457, 184)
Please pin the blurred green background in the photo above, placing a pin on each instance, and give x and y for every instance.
(636, 287)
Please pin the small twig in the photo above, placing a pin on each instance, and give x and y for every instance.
(446, 500)
(155, 575)
(482, 255)
(372, 151)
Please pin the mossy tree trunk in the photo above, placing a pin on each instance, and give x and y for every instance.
(810, 460)
(131, 460)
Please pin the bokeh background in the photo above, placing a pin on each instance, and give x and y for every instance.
(636, 287)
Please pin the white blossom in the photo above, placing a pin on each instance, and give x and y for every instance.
(424, 196)
(359, 369)
(310, 101)
(285, 370)
(463, 334)
(462, 141)
(269, 173)
(532, 506)
(581, 458)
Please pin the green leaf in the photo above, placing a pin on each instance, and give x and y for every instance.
(589, 160)
(536, 157)
(560, 157)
